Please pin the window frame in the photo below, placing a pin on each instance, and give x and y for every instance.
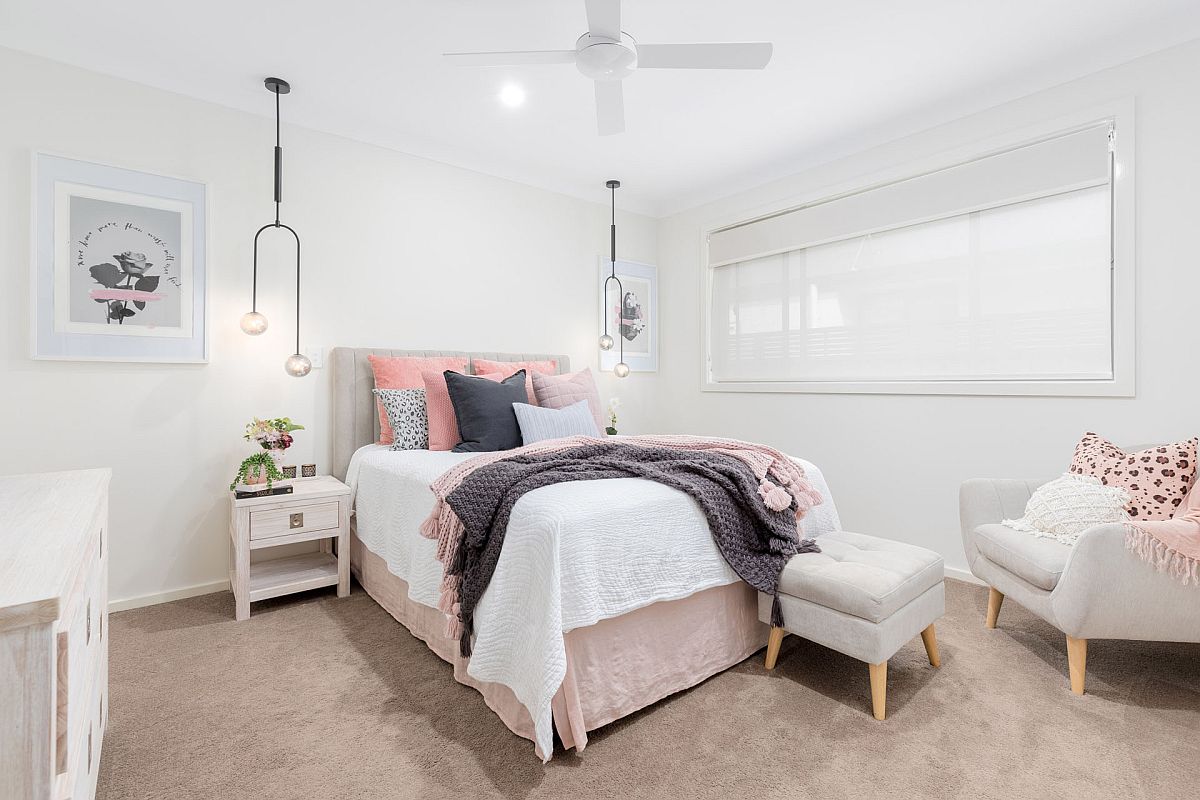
(1123, 382)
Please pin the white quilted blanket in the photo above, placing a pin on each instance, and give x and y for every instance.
(574, 554)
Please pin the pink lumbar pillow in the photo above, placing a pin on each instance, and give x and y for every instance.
(506, 368)
(1157, 479)
(404, 372)
(560, 391)
(443, 424)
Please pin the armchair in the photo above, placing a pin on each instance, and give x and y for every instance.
(1094, 590)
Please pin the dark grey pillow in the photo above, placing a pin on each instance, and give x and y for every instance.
(484, 408)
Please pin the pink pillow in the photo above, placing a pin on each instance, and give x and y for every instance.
(560, 391)
(443, 424)
(549, 367)
(1158, 479)
(404, 372)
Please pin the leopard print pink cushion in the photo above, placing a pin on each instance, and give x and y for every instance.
(1158, 479)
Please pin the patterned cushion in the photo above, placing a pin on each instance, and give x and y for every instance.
(1157, 478)
(483, 366)
(443, 425)
(404, 372)
(539, 424)
(560, 391)
(408, 417)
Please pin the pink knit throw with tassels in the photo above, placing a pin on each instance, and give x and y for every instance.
(444, 526)
(1171, 545)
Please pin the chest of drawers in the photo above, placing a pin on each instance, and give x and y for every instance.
(53, 633)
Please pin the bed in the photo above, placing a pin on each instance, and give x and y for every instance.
(576, 629)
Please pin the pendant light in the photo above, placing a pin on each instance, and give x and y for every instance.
(253, 322)
(606, 342)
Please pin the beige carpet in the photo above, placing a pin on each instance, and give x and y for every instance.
(316, 697)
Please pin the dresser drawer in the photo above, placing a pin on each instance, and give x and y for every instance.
(294, 519)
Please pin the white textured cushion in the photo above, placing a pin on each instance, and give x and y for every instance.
(538, 424)
(860, 575)
(1067, 506)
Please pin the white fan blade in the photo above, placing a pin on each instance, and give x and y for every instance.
(512, 58)
(713, 55)
(610, 108)
(604, 18)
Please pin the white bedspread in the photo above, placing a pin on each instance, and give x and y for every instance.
(574, 554)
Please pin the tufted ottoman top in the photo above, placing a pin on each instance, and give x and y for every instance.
(862, 575)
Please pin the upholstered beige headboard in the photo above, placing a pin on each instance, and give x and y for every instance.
(355, 420)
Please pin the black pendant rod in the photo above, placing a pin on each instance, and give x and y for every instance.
(612, 260)
(278, 86)
(278, 161)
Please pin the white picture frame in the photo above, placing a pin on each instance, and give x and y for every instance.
(119, 264)
(640, 327)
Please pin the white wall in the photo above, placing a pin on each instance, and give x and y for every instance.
(895, 462)
(398, 252)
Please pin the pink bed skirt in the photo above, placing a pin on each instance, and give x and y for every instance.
(614, 667)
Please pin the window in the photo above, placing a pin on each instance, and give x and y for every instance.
(994, 275)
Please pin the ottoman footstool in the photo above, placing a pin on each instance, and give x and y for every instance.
(862, 596)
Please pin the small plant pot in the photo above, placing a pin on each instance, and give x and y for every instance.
(256, 475)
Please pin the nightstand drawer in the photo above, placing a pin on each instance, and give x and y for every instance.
(294, 519)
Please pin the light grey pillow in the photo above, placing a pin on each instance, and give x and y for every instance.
(538, 424)
(408, 417)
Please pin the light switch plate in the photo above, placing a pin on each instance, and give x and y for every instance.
(317, 356)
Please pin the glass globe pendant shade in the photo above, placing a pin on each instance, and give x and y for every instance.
(253, 323)
(621, 370)
(606, 342)
(297, 365)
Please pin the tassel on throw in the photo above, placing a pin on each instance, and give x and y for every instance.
(776, 497)
(776, 612)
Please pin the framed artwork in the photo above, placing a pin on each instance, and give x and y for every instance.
(119, 270)
(632, 315)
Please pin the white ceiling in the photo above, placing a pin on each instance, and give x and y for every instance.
(845, 75)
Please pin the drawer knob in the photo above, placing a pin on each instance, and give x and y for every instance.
(297, 520)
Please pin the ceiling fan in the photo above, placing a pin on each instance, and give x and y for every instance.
(606, 54)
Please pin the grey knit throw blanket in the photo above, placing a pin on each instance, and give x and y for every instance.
(754, 540)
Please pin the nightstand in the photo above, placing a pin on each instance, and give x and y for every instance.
(317, 509)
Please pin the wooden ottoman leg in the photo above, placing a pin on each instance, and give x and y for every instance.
(995, 599)
(773, 643)
(929, 637)
(1076, 662)
(879, 689)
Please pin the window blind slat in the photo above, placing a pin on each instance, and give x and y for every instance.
(1066, 162)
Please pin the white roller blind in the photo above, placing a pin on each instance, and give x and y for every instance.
(1069, 161)
(1019, 290)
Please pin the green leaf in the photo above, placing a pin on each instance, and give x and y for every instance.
(107, 275)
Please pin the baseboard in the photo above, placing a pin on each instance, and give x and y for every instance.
(962, 575)
(166, 597)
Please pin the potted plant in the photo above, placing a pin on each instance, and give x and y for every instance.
(256, 469)
(613, 404)
(273, 435)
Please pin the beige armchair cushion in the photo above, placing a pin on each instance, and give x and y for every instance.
(1039, 561)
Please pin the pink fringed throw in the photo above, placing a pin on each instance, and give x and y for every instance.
(1171, 545)
(444, 525)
